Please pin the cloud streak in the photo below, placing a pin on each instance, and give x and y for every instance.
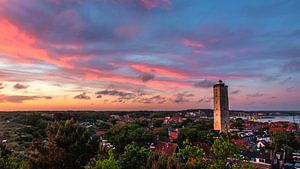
(144, 45)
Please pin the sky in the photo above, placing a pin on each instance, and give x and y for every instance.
(148, 54)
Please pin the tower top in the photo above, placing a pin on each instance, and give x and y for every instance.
(220, 84)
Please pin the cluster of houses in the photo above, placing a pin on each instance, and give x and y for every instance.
(254, 138)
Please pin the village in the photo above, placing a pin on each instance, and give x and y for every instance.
(254, 138)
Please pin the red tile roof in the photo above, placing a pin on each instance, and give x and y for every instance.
(173, 135)
(166, 148)
(100, 132)
(277, 129)
(240, 142)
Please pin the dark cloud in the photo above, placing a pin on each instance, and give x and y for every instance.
(48, 97)
(269, 78)
(235, 92)
(19, 99)
(20, 86)
(292, 66)
(182, 97)
(290, 89)
(151, 100)
(114, 93)
(82, 96)
(122, 97)
(286, 80)
(255, 95)
(2, 86)
(145, 77)
(138, 96)
(204, 84)
(205, 99)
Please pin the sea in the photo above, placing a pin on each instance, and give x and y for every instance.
(275, 118)
(293, 119)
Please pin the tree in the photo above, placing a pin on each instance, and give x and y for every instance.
(193, 135)
(286, 142)
(122, 135)
(161, 132)
(67, 147)
(238, 123)
(191, 155)
(9, 160)
(157, 160)
(110, 163)
(158, 123)
(224, 153)
(134, 157)
(223, 149)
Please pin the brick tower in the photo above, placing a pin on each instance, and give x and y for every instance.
(221, 108)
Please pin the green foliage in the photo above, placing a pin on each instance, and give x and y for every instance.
(11, 161)
(134, 157)
(161, 132)
(160, 161)
(103, 125)
(189, 152)
(281, 140)
(158, 123)
(191, 156)
(36, 125)
(285, 141)
(193, 135)
(141, 123)
(67, 147)
(110, 163)
(238, 123)
(223, 149)
(36, 120)
(122, 135)
(202, 125)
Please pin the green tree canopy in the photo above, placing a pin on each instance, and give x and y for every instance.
(134, 157)
(193, 135)
(223, 149)
(67, 147)
(191, 156)
(9, 160)
(110, 163)
(122, 135)
(158, 160)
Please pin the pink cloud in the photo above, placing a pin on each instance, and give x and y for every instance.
(150, 4)
(19, 46)
(20, 99)
(126, 31)
(200, 51)
(159, 70)
(192, 43)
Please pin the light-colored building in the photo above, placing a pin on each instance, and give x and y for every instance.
(221, 107)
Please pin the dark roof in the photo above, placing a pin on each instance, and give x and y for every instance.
(258, 154)
(220, 84)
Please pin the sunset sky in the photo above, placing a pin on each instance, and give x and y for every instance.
(148, 54)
